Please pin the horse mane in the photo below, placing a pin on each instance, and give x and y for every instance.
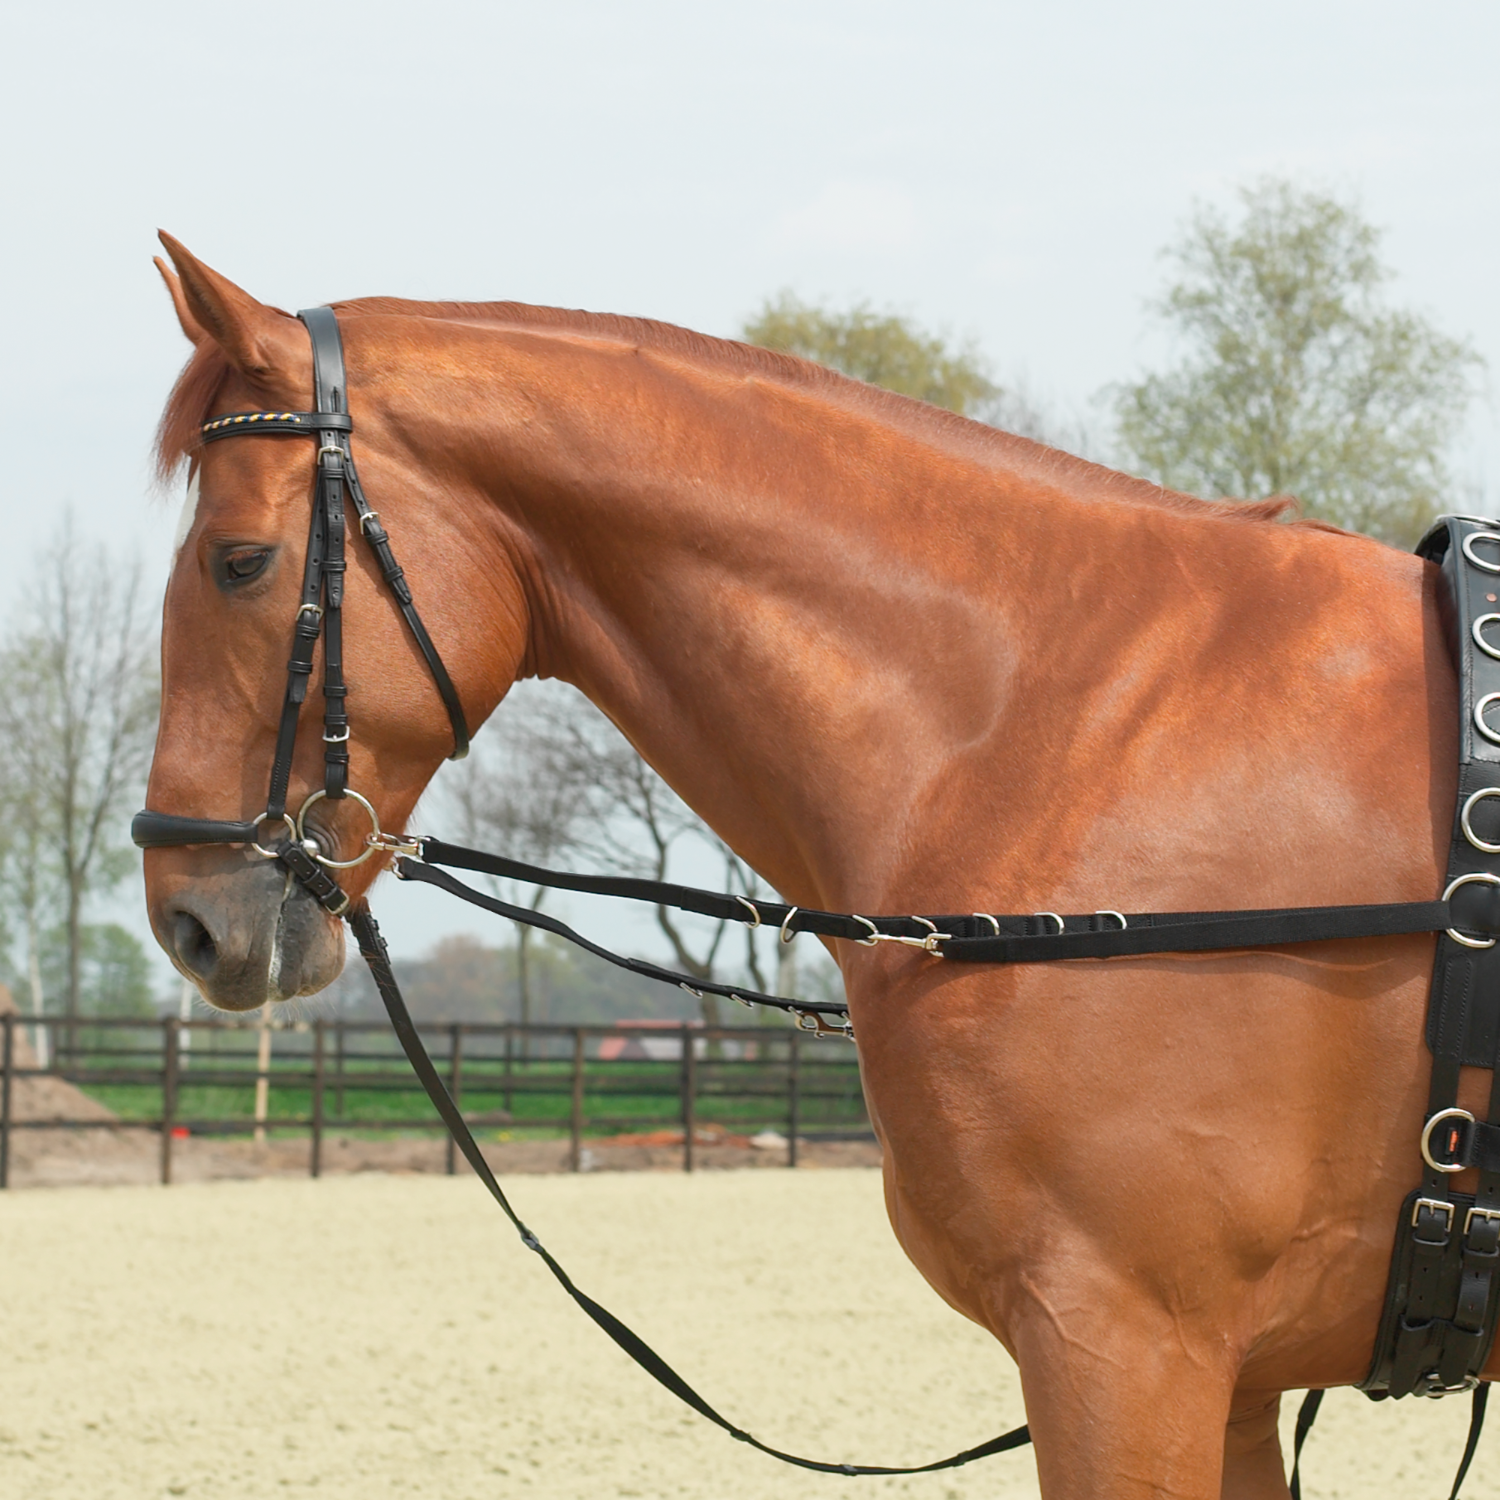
(191, 401)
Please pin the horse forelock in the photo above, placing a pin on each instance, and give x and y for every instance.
(191, 401)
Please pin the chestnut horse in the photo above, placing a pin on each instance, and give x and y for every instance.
(899, 662)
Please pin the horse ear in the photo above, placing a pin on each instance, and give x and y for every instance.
(191, 328)
(266, 345)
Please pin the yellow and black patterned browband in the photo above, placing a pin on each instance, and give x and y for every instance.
(303, 423)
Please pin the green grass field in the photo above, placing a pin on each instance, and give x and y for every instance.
(530, 1096)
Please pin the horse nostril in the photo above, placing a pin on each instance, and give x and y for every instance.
(195, 948)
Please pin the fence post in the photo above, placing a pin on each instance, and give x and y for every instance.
(170, 1028)
(455, 1085)
(7, 1077)
(315, 1155)
(338, 1068)
(793, 1094)
(575, 1122)
(689, 1092)
(510, 1048)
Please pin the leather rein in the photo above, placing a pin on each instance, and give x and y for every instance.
(1442, 1297)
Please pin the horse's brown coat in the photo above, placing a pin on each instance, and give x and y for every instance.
(901, 664)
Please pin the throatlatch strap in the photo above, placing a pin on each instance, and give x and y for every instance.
(372, 948)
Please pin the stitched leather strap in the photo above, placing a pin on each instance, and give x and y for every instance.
(372, 948)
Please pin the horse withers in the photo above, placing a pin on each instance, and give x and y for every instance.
(900, 663)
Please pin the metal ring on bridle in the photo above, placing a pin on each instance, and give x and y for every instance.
(1468, 807)
(1491, 735)
(1427, 1156)
(1477, 631)
(1457, 936)
(1479, 562)
(322, 859)
(265, 817)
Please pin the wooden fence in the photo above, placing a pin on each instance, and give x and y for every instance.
(181, 1077)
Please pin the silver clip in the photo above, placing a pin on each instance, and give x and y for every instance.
(928, 944)
(408, 845)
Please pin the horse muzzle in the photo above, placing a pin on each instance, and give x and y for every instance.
(246, 933)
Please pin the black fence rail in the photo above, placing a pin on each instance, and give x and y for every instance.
(238, 1078)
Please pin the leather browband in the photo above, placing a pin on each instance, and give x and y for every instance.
(299, 423)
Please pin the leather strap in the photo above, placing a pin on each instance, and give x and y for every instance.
(257, 423)
(373, 950)
(1443, 1291)
(154, 830)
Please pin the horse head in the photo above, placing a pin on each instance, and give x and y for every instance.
(231, 920)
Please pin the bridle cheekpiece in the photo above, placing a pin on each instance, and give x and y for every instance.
(319, 616)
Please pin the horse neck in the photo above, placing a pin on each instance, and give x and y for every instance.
(768, 590)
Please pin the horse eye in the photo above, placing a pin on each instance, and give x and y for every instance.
(240, 566)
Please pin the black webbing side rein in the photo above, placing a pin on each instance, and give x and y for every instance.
(1443, 1295)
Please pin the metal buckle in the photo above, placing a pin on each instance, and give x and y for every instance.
(1433, 1389)
(1439, 1206)
(315, 610)
(365, 519)
(336, 739)
(1427, 1156)
(1489, 1215)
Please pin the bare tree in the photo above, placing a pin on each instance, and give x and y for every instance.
(505, 799)
(559, 780)
(78, 709)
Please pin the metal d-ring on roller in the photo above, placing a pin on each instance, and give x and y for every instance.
(1476, 632)
(1426, 1142)
(1467, 812)
(1493, 736)
(1453, 885)
(1468, 549)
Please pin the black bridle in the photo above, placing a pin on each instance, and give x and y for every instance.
(320, 614)
(1443, 1295)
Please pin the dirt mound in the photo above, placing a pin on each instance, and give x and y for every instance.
(44, 1097)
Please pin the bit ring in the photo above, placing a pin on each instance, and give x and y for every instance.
(265, 817)
(340, 864)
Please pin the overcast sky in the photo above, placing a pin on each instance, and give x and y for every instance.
(1002, 170)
